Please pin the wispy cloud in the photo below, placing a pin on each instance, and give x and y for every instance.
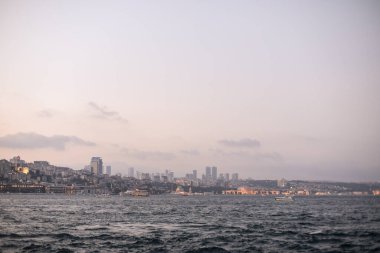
(103, 112)
(144, 155)
(273, 156)
(35, 141)
(191, 152)
(45, 114)
(269, 156)
(242, 143)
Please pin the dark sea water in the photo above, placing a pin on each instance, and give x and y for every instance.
(61, 223)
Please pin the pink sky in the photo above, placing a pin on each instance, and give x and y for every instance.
(267, 89)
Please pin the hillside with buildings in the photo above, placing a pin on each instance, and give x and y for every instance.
(19, 176)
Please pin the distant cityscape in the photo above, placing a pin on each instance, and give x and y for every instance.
(19, 176)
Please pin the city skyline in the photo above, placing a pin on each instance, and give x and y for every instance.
(268, 89)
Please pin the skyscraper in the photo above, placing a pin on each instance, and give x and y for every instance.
(214, 173)
(96, 166)
(131, 172)
(227, 177)
(195, 174)
(171, 176)
(208, 173)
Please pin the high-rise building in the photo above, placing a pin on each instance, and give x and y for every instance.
(131, 172)
(108, 170)
(195, 176)
(214, 173)
(208, 173)
(235, 176)
(96, 166)
(227, 177)
(171, 176)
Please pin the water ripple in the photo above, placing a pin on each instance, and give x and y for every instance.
(60, 223)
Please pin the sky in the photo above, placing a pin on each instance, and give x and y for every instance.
(267, 89)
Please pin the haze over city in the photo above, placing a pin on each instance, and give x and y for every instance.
(266, 89)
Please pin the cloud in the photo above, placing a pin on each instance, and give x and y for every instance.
(242, 143)
(45, 114)
(144, 155)
(34, 141)
(102, 112)
(273, 156)
(269, 156)
(192, 152)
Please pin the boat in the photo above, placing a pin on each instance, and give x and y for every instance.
(140, 193)
(180, 191)
(284, 199)
(136, 193)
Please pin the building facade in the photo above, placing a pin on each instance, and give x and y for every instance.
(96, 166)
(214, 173)
(131, 172)
(208, 173)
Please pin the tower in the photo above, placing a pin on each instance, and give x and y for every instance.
(214, 173)
(227, 177)
(208, 173)
(131, 172)
(96, 166)
(195, 174)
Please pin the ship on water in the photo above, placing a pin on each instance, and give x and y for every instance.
(135, 193)
(284, 199)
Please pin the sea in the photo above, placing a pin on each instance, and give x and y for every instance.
(170, 223)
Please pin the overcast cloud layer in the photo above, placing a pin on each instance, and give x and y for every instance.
(33, 141)
(268, 89)
(245, 143)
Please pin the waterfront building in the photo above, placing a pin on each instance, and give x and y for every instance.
(96, 166)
